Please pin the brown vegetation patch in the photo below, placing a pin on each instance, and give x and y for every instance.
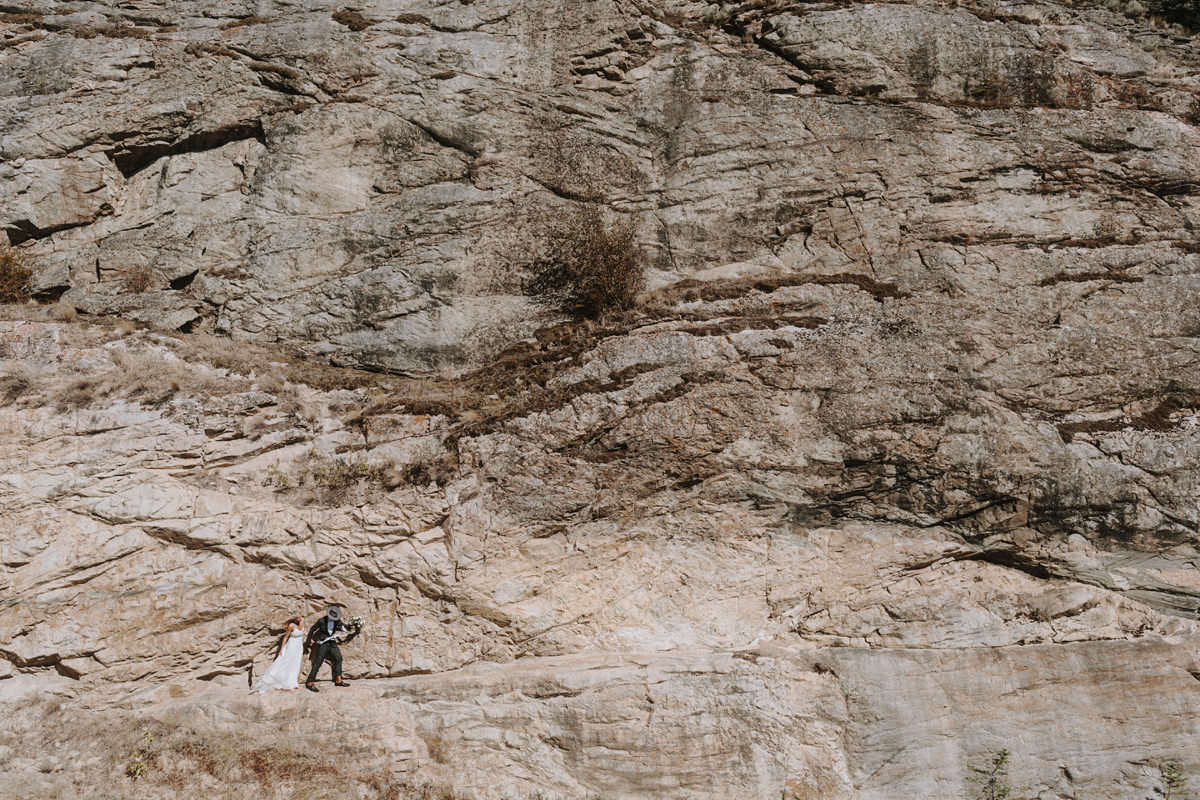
(1082, 277)
(138, 280)
(142, 377)
(352, 19)
(14, 276)
(728, 289)
(112, 32)
(171, 755)
(34, 19)
(587, 266)
(412, 19)
(243, 22)
(20, 18)
(210, 48)
(1068, 430)
(439, 471)
(328, 480)
(247, 358)
(759, 323)
(1157, 418)
(13, 385)
(276, 69)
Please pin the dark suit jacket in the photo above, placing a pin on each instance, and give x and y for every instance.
(319, 632)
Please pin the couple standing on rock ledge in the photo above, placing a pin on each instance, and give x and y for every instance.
(322, 642)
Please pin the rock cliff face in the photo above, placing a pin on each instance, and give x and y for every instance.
(892, 468)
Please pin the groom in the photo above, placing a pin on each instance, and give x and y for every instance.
(322, 642)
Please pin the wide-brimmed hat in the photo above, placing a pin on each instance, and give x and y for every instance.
(334, 613)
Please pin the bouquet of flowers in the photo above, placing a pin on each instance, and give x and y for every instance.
(355, 622)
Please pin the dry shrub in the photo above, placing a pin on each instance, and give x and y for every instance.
(12, 387)
(247, 358)
(352, 19)
(16, 383)
(137, 280)
(439, 471)
(14, 276)
(587, 267)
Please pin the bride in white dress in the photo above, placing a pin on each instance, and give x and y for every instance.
(284, 670)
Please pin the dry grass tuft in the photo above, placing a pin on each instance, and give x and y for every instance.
(17, 383)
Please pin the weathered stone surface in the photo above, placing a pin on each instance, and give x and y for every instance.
(893, 467)
(368, 189)
(907, 590)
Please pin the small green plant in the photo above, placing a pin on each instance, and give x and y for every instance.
(992, 780)
(1174, 782)
(139, 759)
(14, 276)
(588, 266)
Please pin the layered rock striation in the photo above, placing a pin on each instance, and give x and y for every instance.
(893, 466)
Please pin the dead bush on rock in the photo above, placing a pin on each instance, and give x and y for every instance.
(14, 276)
(352, 19)
(586, 266)
(137, 280)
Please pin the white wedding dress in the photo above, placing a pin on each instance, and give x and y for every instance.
(284, 670)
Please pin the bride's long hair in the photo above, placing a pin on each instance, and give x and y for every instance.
(295, 621)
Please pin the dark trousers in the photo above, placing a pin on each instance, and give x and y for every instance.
(326, 652)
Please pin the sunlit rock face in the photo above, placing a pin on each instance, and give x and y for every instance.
(367, 181)
(892, 468)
